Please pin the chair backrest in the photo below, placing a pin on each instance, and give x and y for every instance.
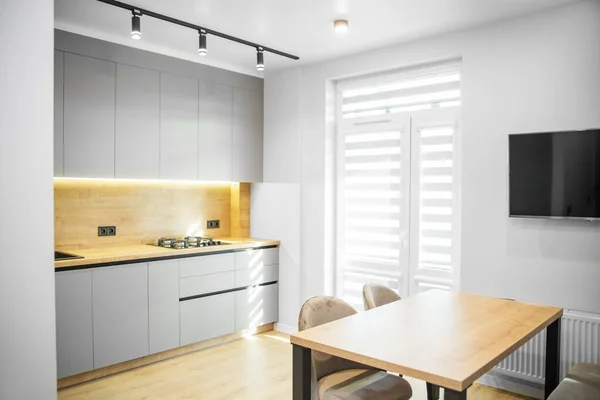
(377, 295)
(318, 311)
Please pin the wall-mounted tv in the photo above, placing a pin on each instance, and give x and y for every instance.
(555, 174)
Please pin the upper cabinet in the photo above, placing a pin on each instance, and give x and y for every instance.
(178, 127)
(215, 131)
(114, 120)
(89, 117)
(247, 136)
(137, 125)
(59, 70)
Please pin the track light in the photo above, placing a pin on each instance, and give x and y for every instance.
(136, 26)
(202, 46)
(260, 61)
(136, 32)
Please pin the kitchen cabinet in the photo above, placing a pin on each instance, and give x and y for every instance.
(256, 258)
(215, 131)
(74, 336)
(256, 306)
(178, 127)
(89, 117)
(120, 313)
(59, 64)
(247, 136)
(206, 284)
(206, 318)
(163, 305)
(137, 123)
(204, 265)
(253, 267)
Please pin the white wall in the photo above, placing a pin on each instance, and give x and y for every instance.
(275, 213)
(535, 73)
(27, 327)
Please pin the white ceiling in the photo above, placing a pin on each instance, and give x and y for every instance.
(300, 27)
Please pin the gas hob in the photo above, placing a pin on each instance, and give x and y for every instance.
(188, 242)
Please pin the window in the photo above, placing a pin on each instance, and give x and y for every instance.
(397, 204)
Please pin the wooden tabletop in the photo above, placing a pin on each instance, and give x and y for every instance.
(141, 252)
(447, 339)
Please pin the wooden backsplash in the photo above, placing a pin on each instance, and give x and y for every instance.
(145, 211)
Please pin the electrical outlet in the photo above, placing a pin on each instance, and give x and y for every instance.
(213, 224)
(107, 231)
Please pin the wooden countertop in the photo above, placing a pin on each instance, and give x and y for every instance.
(448, 339)
(142, 252)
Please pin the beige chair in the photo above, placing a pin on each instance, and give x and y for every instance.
(582, 383)
(377, 295)
(335, 378)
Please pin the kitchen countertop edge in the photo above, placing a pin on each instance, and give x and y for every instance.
(107, 256)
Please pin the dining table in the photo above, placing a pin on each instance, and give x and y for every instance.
(447, 339)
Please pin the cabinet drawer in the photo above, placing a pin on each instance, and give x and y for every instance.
(203, 284)
(257, 275)
(206, 318)
(203, 265)
(256, 258)
(256, 306)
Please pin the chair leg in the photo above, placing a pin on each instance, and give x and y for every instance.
(433, 392)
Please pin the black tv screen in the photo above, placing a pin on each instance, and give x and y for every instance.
(555, 174)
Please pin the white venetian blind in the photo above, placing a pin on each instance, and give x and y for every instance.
(421, 89)
(436, 196)
(376, 135)
(371, 195)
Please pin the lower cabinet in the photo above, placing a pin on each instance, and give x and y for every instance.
(206, 318)
(74, 336)
(120, 313)
(108, 315)
(163, 305)
(255, 306)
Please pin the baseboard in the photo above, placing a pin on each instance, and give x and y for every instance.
(287, 329)
(513, 385)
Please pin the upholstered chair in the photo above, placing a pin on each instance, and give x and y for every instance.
(335, 378)
(582, 383)
(377, 295)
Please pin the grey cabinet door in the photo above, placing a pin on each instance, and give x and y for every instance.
(163, 299)
(206, 318)
(120, 304)
(89, 117)
(178, 127)
(255, 306)
(215, 131)
(247, 136)
(74, 337)
(59, 64)
(137, 123)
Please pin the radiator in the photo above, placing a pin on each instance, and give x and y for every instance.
(580, 342)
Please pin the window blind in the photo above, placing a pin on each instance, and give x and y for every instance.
(371, 193)
(436, 196)
(414, 90)
(374, 173)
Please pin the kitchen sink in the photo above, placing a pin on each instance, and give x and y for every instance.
(60, 256)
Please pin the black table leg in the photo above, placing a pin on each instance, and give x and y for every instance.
(454, 395)
(301, 372)
(433, 392)
(552, 357)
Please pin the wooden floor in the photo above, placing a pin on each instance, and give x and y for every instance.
(257, 367)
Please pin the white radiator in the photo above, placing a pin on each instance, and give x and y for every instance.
(580, 342)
